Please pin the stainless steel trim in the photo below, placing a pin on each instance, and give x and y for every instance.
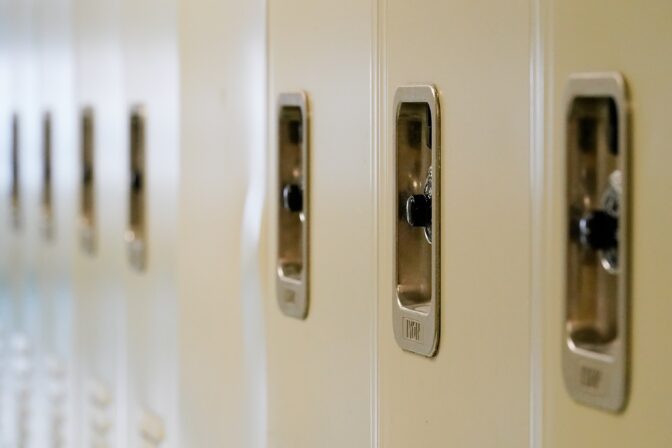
(87, 206)
(596, 333)
(47, 209)
(16, 211)
(136, 238)
(293, 226)
(417, 266)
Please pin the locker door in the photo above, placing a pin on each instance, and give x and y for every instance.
(26, 339)
(222, 104)
(149, 185)
(321, 358)
(7, 238)
(474, 391)
(633, 41)
(56, 224)
(99, 268)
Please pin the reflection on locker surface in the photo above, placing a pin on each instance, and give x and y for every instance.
(300, 224)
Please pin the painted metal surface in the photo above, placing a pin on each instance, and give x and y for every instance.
(222, 180)
(477, 56)
(25, 340)
(148, 39)
(55, 423)
(320, 370)
(100, 298)
(634, 40)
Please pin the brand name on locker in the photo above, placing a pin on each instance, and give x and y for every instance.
(590, 377)
(411, 329)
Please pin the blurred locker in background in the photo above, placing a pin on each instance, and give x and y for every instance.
(7, 278)
(632, 40)
(57, 154)
(24, 191)
(321, 369)
(149, 188)
(100, 254)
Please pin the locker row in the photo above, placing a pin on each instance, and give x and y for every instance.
(87, 186)
(596, 135)
(307, 224)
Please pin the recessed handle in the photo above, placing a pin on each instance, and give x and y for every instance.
(597, 264)
(87, 207)
(136, 232)
(16, 174)
(47, 194)
(293, 205)
(417, 147)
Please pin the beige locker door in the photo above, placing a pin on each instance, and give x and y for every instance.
(222, 104)
(632, 38)
(57, 163)
(475, 391)
(149, 182)
(99, 291)
(321, 369)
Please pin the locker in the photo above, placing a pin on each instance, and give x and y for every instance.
(300, 224)
(222, 134)
(148, 184)
(472, 388)
(25, 342)
(585, 408)
(321, 359)
(6, 242)
(54, 423)
(97, 279)
(5, 176)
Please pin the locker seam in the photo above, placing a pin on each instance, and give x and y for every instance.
(377, 7)
(539, 44)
